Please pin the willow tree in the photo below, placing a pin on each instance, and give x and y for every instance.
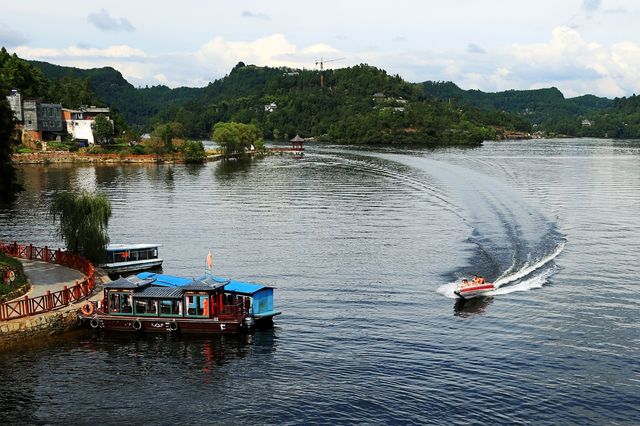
(84, 219)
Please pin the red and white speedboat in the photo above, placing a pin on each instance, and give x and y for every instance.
(469, 289)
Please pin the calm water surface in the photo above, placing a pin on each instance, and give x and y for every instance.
(364, 248)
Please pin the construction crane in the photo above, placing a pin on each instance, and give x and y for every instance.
(322, 62)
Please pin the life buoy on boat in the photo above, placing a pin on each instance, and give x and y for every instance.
(136, 324)
(173, 325)
(95, 322)
(88, 309)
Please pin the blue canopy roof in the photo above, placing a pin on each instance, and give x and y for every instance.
(236, 286)
(165, 280)
(244, 288)
(232, 286)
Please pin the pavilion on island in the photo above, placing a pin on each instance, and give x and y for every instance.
(297, 143)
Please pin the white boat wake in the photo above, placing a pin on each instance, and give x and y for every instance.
(528, 269)
(527, 278)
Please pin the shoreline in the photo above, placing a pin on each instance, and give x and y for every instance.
(59, 157)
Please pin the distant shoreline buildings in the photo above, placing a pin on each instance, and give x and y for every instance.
(42, 122)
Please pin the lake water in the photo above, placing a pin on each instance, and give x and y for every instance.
(364, 248)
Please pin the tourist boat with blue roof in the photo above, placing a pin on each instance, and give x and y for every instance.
(146, 305)
(257, 299)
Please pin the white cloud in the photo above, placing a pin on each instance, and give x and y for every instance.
(566, 60)
(220, 55)
(121, 51)
(573, 63)
(224, 54)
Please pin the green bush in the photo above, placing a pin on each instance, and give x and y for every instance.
(193, 152)
(115, 148)
(137, 149)
(57, 146)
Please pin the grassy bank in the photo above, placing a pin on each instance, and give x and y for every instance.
(8, 290)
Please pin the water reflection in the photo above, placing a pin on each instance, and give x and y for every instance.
(168, 178)
(467, 308)
(234, 167)
(38, 178)
(108, 176)
(194, 169)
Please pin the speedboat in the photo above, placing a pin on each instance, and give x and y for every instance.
(469, 289)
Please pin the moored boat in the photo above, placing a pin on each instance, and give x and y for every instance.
(123, 258)
(474, 288)
(132, 304)
(257, 299)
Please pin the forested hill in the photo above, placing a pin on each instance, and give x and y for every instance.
(547, 109)
(137, 105)
(355, 104)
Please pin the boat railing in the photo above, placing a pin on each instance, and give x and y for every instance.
(37, 305)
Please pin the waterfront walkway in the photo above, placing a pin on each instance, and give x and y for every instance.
(51, 277)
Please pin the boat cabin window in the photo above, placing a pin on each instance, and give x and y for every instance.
(131, 255)
(119, 303)
(171, 307)
(197, 305)
(146, 307)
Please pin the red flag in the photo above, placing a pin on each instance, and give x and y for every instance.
(209, 261)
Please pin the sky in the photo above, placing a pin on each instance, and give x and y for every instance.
(579, 46)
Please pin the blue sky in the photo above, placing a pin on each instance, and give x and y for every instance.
(579, 46)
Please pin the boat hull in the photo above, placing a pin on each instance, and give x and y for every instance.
(134, 266)
(475, 291)
(165, 325)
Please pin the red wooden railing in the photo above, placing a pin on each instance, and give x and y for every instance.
(38, 305)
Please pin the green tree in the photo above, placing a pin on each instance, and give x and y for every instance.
(8, 184)
(16, 73)
(236, 137)
(102, 129)
(166, 132)
(84, 219)
(154, 146)
(193, 152)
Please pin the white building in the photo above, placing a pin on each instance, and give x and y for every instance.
(79, 122)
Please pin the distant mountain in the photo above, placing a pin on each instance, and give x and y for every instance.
(546, 109)
(356, 104)
(137, 105)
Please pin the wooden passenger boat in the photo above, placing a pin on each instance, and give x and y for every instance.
(133, 304)
(257, 299)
